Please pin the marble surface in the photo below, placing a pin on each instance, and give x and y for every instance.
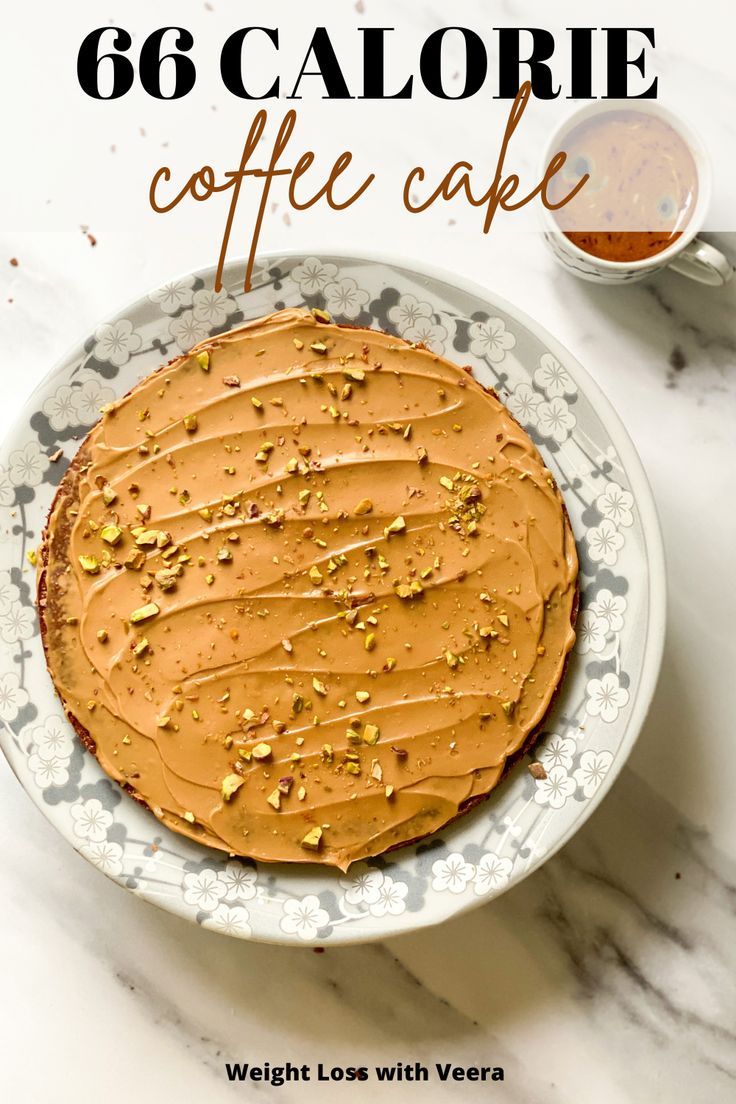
(607, 976)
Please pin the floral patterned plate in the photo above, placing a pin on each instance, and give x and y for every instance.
(599, 710)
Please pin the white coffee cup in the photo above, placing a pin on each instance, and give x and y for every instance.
(687, 254)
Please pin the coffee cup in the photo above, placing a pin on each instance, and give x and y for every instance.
(680, 250)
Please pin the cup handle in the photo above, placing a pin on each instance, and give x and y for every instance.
(704, 263)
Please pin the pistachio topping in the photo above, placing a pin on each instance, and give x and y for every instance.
(231, 783)
(398, 525)
(371, 734)
(144, 613)
(312, 841)
(111, 534)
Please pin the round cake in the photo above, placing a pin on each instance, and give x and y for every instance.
(307, 591)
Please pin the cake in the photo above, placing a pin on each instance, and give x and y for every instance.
(307, 591)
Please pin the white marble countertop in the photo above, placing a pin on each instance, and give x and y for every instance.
(608, 975)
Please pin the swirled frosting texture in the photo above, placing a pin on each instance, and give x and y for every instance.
(307, 590)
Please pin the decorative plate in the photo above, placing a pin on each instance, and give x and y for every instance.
(600, 708)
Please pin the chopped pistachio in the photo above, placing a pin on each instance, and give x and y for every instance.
(447, 483)
(503, 619)
(143, 613)
(362, 696)
(190, 423)
(319, 687)
(398, 525)
(364, 506)
(370, 642)
(135, 559)
(189, 817)
(321, 315)
(313, 839)
(102, 635)
(231, 783)
(144, 537)
(352, 768)
(508, 707)
(318, 347)
(261, 752)
(31, 556)
(166, 577)
(90, 564)
(108, 495)
(409, 590)
(224, 555)
(274, 799)
(316, 575)
(141, 647)
(203, 360)
(111, 534)
(371, 734)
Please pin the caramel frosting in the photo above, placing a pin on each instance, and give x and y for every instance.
(307, 590)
